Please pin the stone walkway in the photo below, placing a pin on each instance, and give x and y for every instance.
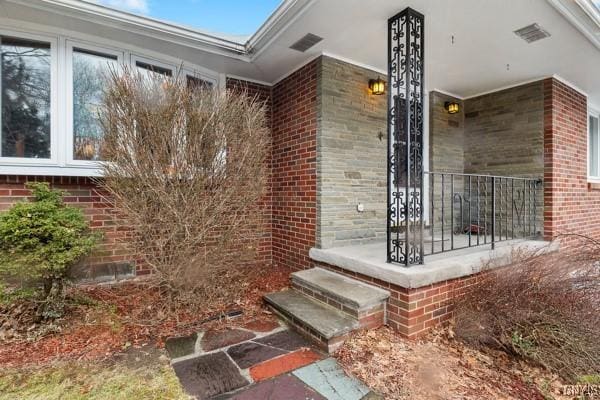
(268, 362)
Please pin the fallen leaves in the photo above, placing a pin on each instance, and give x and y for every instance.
(439, 367)
(114, 318)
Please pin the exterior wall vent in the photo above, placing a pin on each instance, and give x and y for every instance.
(308, 41)
(532, 33)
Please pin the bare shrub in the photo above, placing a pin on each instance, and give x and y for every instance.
(187, 172)
(544, 307)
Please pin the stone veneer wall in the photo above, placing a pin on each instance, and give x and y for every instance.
(504, 132)
(351, 156)
(446, 135)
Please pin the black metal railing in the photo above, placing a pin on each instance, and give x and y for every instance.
(467, 210)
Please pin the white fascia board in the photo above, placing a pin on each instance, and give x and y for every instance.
(565, 7)
(278, 21)
(141, 25)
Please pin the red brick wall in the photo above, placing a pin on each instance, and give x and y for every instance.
(294, 167)
(413, 312)
(261, 93)
(570, 206)
(83, 193)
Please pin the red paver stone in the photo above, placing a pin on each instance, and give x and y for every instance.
(283, 364)
(213, 340)
(262, 325)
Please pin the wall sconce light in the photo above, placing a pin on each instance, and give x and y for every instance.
(452, 107)
(377, 86)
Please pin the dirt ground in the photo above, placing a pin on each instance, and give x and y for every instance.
(440, 367)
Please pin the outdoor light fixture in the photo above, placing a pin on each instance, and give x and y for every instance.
(377, 86)
(452, 107)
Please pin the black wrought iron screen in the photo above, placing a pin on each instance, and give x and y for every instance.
(467, 210)
(405, 138)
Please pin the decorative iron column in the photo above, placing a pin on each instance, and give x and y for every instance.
(405, 137)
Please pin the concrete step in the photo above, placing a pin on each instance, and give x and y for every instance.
(353, 297)
(328, 326)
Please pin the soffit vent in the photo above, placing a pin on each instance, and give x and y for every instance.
(308, 41)
(532, 33)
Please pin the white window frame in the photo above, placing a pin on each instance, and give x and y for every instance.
(151, 61)
(54, 102)
(61, 161)
(595, 114)
(69, 137)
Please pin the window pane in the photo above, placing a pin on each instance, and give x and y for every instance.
(25, 85)
(195, 82)
(150, 70)
(90, 73)
(594, 143)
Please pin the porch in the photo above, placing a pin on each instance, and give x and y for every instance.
(369, 260)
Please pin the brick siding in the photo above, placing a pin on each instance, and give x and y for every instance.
(261, 93)
(413, 312)
(294, 167)
(571, 205)
(85, 194)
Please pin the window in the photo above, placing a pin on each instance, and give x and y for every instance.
(90, 73)
(594, 147)
(149, 67)
(25, 68)
(51, 91)
(196, 82)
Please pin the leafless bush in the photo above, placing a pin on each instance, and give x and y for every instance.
(186, 169)
(542, 307)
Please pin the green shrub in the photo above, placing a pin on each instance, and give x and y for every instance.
(40, 240)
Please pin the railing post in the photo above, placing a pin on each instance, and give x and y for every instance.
(493, 213)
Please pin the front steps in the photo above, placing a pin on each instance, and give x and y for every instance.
(327, 306)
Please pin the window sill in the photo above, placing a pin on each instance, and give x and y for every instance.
(593, 185)
(90, 171)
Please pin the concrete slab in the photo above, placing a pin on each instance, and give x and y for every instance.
(284, 340)
(329, 380)
(209, 375)
(181, 346)
(347, 291)
(285, 387)
(370, 260)
(249, 354)
(213, 340)
(325, 320)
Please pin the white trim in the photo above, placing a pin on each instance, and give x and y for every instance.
(142, 25)
(583, 27)
(296, 68)
(592, 114)
(55, 108)
(61, 162)
(241, 78)
(68, 96)
(356, 63)
(277, 31)
(501, 88)
(569, 84)
(449, 94)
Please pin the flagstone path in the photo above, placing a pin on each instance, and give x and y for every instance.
(259, 362)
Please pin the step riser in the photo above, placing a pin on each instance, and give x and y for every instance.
(327, 345)
(371, 317)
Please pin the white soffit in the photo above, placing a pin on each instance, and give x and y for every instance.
(470, 44)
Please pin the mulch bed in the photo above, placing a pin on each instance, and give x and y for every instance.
(131, 314)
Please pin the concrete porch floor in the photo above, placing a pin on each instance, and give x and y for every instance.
(370, 260)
